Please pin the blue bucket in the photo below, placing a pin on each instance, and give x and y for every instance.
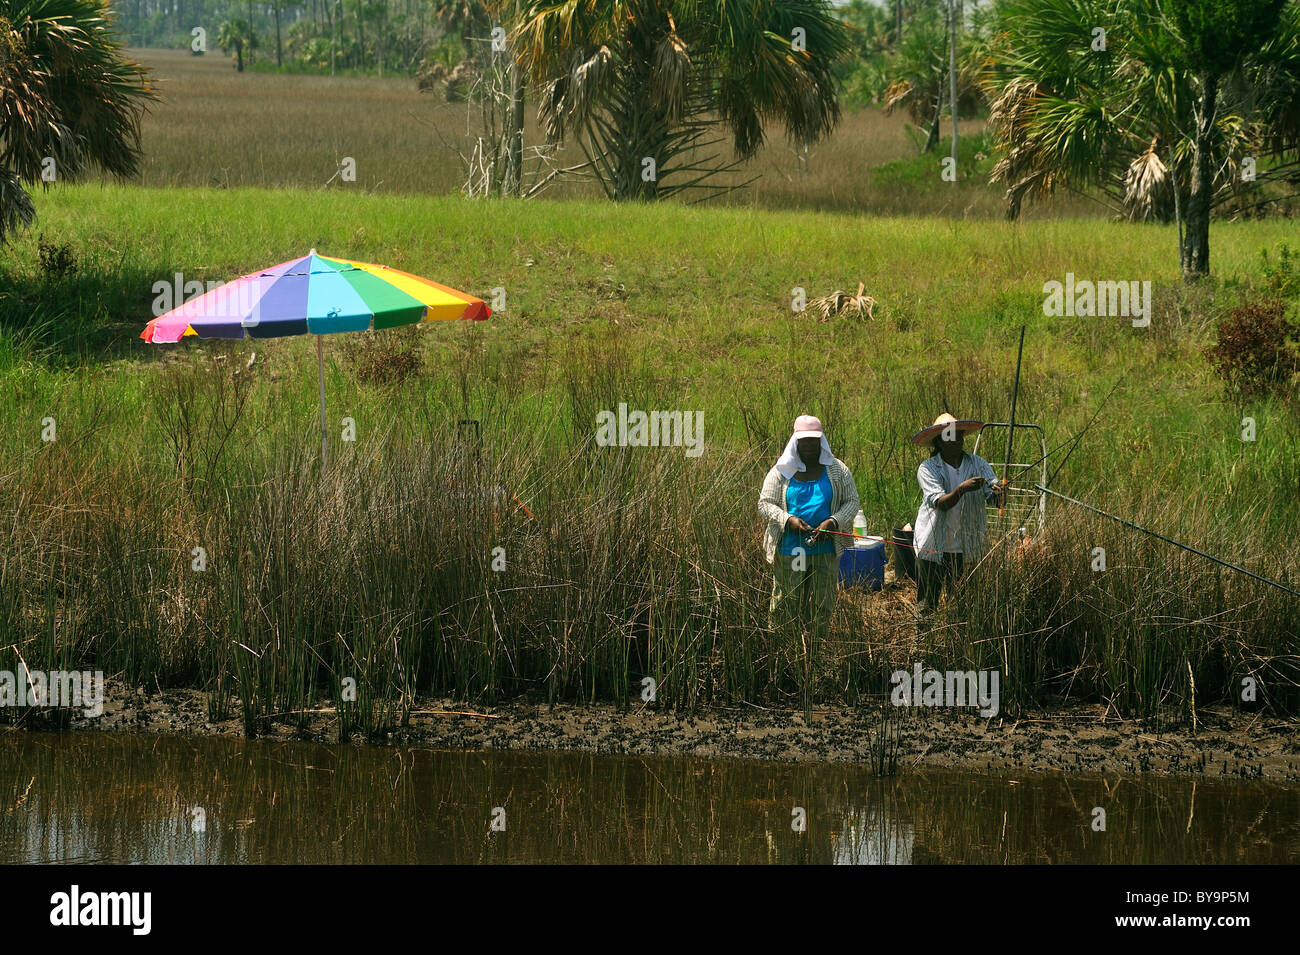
(863, 566)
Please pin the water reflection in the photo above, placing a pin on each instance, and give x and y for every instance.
(872, 837)
(119, 798)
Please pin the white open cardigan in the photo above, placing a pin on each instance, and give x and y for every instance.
(771, 504)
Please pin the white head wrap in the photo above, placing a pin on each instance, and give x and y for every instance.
(789, 463)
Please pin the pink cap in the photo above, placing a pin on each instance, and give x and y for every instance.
(807, 426)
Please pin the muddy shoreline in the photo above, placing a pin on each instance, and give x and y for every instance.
(1075, 738)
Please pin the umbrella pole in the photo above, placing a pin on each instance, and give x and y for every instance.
(320, 370)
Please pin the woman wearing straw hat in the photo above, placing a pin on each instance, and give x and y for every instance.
(951, 524)
(807, 492)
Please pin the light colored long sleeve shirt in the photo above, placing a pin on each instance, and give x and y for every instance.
(771, 505)
(969, 514)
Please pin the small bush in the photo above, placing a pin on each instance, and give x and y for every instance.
(57, 259)
(1282, 276)
(387, 357)
(1256, 353)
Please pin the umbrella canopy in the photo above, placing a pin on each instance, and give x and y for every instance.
(314, 295)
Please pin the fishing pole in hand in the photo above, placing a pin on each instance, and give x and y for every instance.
(865, 537)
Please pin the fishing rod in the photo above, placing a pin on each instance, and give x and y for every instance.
(1073, 440)
(884, 540)
(870, 537)
(1061, 464)
(867, 537)
(1011, 431)
(1170, 540)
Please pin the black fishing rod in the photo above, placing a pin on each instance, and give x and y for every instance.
(1170, 540)
(1104, 401)
(1034, 464)
(1015, 393)
(1011, 431)
(1074, 439)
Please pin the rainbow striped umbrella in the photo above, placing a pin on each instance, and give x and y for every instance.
(314, 295)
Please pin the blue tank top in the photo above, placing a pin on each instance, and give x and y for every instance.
(810, 500)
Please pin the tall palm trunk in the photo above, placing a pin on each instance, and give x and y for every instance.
(952, 76)
(514, 177)
(338, 28)
(333, 28)
(1196, 249)
(361, 39)
(932, 137)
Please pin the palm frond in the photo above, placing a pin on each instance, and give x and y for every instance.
(67, 92)
(840, 302)
(1145, 181)
(672, 71)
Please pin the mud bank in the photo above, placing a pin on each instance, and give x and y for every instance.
(1065, 739)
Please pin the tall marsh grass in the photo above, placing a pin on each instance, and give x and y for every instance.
(207, 549)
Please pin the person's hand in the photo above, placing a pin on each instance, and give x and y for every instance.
(798, 525)
(970, 484)
(817, 535)
(1000, 493)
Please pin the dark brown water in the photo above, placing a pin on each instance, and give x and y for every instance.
(87, 797)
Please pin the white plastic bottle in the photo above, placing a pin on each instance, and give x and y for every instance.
(860, 530)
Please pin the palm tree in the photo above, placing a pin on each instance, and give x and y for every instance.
(922, 75)
(640, 82)
(918, 73)
(235, 36)
(469, 18)
(1150, 122)
(1223, 39)
(67, 94)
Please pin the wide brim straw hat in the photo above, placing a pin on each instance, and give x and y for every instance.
(923, 437)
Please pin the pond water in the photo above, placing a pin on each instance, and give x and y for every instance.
(121, 798)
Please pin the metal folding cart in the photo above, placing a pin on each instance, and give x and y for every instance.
(1025, 507)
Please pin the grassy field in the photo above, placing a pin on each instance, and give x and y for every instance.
(219, 128)
(637, 561)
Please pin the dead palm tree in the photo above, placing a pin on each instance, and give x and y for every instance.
(641, 83)
(69, 99)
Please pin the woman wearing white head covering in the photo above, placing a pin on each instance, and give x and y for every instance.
(808, 491)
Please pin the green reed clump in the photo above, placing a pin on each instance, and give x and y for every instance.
(885, 738)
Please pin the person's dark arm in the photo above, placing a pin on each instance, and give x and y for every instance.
(947, 501)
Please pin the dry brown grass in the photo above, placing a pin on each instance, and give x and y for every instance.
(217, 127)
